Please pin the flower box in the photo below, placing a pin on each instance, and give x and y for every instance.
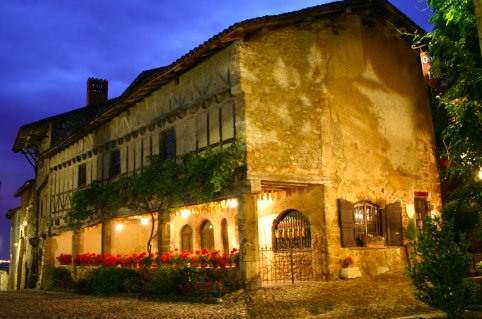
(375, 244)
(350, 273)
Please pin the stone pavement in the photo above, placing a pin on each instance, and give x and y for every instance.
(385, 296)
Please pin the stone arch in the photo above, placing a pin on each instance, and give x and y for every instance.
(207, 235)
(186, 236)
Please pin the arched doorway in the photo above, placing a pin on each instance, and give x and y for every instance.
(291, 256)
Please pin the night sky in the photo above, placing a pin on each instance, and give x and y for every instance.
(49, 48)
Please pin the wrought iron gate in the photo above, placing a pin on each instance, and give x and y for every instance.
(291, 258)
(291, 265)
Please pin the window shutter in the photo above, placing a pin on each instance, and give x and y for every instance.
(394, 224)
(347, 223)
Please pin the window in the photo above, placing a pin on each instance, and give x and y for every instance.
(115, 163)
(207, 235)
(421, 209)
(168, 144)
(367, 222)
(362, 220)
(291, 230)
(186, 238)
(82, 177)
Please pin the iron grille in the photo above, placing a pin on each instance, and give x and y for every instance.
(292, 232)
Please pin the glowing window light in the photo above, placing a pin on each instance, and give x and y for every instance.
(144, 221)
(119, 227)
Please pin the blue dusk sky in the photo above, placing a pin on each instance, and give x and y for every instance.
(49, 48)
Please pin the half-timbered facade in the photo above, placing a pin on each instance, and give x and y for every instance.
(331, 109)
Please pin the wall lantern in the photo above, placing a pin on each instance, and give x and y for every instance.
(232, 203)
(185, 213)
(119, 227)
(410, 208)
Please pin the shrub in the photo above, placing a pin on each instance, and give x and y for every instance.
(212, 282)
(110, 281)
(439, 267)
(165, 281)
(56, 278)
(412, 231)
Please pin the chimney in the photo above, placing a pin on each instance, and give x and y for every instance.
(97, 90)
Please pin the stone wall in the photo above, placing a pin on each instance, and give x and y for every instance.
(307, 200)
(344, 102)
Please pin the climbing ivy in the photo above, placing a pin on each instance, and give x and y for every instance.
(161, 186)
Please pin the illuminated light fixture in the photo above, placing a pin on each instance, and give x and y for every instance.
(185, 213)
(410, 208)
(144, 221)
(232, 203)
(480, 173)
(265, 199)
(119, 227)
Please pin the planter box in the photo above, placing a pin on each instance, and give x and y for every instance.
(375, 244)
(350, 273)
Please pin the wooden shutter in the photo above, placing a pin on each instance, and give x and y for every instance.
(347, 223)
(394, 224)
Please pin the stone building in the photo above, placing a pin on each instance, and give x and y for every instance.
(23, 269)
(331, 108)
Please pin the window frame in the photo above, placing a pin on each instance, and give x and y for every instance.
(167, 145)
(389, 219)
(115, 163)
(82, 175)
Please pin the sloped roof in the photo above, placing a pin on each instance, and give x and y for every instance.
(63, 125)
(150, 80)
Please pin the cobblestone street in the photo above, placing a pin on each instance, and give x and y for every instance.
(385, 296)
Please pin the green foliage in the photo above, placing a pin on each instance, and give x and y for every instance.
(166, 281)
(111, 281)
(212, 282)
(97, 197)
(464, 208)
(412, 231)
(439, 267)
(56, 278)
(454, 47)
(162, 184)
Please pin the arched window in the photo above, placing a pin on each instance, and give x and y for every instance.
(186, 238)
(207, 235)
(292, 230)
(224, 235)
(367, 222)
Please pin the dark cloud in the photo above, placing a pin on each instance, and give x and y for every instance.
(49, 48)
